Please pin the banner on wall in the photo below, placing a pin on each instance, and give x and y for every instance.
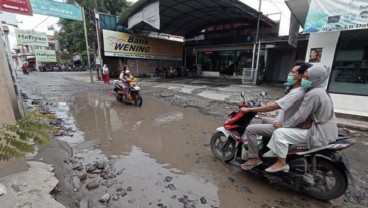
(45, 55)
(28, 37)
(336, 15)
(120, 44)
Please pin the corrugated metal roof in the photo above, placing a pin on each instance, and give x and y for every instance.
(186, 17)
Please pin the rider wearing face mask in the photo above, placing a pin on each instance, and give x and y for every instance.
(317, 105)
(289, 104)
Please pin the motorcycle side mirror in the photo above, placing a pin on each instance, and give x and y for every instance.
(242, 94)
(263, 94)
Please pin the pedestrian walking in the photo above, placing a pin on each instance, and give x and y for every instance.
(105, 74)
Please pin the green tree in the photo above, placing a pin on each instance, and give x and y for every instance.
(71, 35)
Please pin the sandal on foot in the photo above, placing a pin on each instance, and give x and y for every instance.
(249, 167)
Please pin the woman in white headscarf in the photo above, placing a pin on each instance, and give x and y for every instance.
(317, 106)
(105, 74)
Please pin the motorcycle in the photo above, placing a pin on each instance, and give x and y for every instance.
(321, 173)
(133, 95)
(25, 71)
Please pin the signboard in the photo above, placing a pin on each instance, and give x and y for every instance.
(332, 15)
(45, 55)
(57, 9)
(28, 37)
(134, 46)
(8, 19)
(16, 6)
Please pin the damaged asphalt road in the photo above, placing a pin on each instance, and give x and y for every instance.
(117, 155)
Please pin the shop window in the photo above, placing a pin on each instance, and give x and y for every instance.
(350, 69)
(226, 62)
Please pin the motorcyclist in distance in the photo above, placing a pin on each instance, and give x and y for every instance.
(126, 77)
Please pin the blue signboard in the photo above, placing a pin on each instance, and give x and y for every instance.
(332, 15)
(57, 9)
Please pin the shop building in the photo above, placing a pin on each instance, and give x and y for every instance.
(338, 39)
(219, 36)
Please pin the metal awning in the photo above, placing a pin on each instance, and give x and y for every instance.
(188, 17)
(299, 8)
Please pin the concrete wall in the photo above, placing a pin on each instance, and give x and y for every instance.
(7, 92)
(8, 99)
(347, 104)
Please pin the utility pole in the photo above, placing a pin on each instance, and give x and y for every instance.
(99, 54)
(255, 44)
(86, 38)
(87, 47)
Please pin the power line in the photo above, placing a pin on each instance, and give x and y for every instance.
(40, 23)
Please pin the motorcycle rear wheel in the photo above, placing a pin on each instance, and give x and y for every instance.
(222, 147)
(138, 101)
(330, 181)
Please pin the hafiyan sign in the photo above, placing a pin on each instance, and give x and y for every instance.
(28, 37)
(45, 55)
(16, 6)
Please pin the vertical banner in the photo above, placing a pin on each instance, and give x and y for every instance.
(293, 32)
(28, 37)
(45, 55)
(336, 15)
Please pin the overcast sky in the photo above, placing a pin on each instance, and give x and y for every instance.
(41, 22)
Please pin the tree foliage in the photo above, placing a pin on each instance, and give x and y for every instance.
(71, 35)
(15, 139)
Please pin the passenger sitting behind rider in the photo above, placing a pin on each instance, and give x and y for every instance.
(318, 106)
(121, 77)
(288, 105)
(125, 79)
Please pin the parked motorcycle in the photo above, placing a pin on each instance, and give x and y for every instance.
(321, 173)
(133, 95)
(25, 71)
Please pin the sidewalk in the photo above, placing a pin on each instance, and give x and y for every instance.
(228, 89)
(30, 188)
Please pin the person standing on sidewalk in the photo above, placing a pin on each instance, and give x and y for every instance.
(105, 74)
(289, 104)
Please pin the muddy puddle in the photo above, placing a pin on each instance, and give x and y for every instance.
(158, 156)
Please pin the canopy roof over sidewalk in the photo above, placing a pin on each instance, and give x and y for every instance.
(188, 17)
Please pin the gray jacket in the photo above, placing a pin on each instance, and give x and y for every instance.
(318, 104)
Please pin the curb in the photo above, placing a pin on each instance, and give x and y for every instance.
(352, 126)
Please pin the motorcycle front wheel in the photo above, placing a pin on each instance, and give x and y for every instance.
(330, 182)
(222, 147)
(138, 101)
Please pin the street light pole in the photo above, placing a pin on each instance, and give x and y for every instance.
(87, 47)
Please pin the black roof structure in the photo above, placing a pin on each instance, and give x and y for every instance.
(188, 17)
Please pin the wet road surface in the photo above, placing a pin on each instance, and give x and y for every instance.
(158, 155)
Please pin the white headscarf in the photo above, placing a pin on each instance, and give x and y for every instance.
(104, 68)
